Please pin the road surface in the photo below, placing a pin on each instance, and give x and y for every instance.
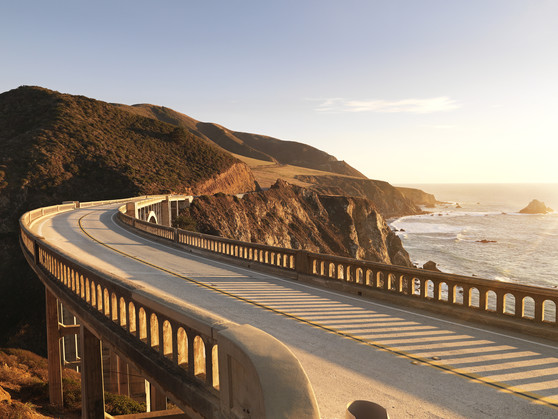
(413, 363)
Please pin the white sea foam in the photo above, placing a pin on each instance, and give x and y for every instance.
(454, 214)
(428, 228)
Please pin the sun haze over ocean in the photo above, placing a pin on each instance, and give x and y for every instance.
(405, 91)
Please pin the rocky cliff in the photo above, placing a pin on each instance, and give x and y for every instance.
(293, 217)
(418, 196)
(388, 200)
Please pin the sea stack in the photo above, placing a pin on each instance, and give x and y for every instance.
(536, 207)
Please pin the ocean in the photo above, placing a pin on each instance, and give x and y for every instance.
(521, 248)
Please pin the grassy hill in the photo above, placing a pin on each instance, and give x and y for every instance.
(56, 147)
(254, 146)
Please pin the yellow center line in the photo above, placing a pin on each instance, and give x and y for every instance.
(471, 376)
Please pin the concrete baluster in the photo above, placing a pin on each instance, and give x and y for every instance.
(538, 309)
(518, 306)
(174, 329)
(482, 298)
(500, 301)
(423, 288)
(191, 355)
(208, 363)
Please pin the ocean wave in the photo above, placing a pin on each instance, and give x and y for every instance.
(428, 228)
(549, 214)
(502, 278)
(447, 214)
(454, 214)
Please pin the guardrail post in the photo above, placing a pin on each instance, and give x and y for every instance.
(53, 349)
(302, 262)
(132, 209)
(36, 252)
(92, 388)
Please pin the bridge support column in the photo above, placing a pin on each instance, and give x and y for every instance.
(112, 377)
(123, 375)
(92, 388)
(53, 350)
(158, 399)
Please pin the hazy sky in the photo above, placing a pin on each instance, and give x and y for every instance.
(405, 91)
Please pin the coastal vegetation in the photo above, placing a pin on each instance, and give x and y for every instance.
(56, 147)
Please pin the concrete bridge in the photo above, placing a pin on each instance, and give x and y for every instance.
(223, 328)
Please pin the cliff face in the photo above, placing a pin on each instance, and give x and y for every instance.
(418, 196)
(298, 218)
(387, 199)
(235, 179)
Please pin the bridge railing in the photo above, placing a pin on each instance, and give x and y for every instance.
(202, 362)
(521, 307)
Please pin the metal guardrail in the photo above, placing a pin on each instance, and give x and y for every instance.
(518, 306)
(204, 363)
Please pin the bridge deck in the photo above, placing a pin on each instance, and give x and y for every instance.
(412, 363)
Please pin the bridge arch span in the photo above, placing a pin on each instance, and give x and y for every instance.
(152, 217)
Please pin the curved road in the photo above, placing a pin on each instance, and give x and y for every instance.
(410, 362)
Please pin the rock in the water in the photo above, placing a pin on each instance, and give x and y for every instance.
(431, 266)
(536, 207)
(486, 241)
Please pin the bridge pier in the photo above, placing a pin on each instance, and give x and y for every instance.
(166, 215)
(53, 350)
(158, 400)
(92, 388)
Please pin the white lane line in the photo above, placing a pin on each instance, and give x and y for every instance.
(160, 246)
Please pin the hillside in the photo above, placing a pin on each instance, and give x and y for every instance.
(56, 147)
(255, 146)
(418, 196)
(387, 199)
(299, 164)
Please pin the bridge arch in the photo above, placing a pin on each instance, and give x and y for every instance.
(152, 217)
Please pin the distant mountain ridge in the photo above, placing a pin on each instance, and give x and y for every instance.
(255, 146)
